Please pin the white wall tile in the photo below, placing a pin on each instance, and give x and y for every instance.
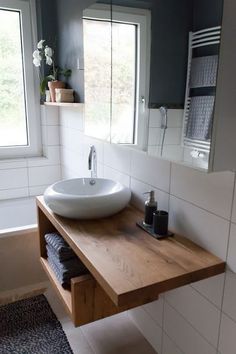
(173, 136)
(206, 229)
(212, 191)
(65, 137)
(13, 163)
(52, 135)
(203, 315)
(49, 115)
(52, 157)
(38, 190)
(117, 176)
(154, 118)
(138, 198)
(45, 175)
(231, 260)
(23, 210)
(173, 152)
(72, 117)
(117, 157)
(154, 136)
(212, 288)
(175, 118)
(155, 310)
(229, 304)
(150, 170)
(151, 331)
(184, 335)
(14, 193)
(234, 208)
(169, 347)
(227, 336)
(13, 178)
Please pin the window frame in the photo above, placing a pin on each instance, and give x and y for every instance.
(142, 19)
(27, 11)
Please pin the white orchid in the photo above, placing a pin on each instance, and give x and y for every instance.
(37, 54)
(40, 44)
(45, 54)
(48, 51)
(37, 62)
(48, 60)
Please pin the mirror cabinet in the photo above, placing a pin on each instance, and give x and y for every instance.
(160, 76)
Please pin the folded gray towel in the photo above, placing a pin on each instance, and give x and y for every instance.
(71, 267)
(64, 281)
(63, 250)
(200, 118)
(204, 71)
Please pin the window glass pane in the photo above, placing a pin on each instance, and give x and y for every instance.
(123, 82)
(97, 72)
(13, 123)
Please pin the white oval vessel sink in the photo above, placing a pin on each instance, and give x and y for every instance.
(81, 198)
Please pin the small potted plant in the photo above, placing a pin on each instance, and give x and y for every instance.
(42, 54)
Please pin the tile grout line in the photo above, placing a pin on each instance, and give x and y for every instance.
(191, 325)
(227, 253)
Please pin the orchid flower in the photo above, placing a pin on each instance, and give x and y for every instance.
(40, 44)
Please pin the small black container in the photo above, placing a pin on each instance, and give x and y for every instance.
(160, 222)
(150, 207)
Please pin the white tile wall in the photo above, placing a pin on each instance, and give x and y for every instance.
(212, 191)
(227, 336)
(198, 311)
(148, 327)
(184, 335)
(232, 248)
(195, 317)
(200, 208)
(169, 347)
(30, 176)
(202, 227)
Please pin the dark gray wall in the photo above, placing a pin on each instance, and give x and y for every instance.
(47, 24)
(70, 31)
(171, 22)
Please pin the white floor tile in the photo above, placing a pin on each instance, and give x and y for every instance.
(112, 335)
(115, 335)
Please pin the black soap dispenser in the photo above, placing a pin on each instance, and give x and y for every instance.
(150, 207)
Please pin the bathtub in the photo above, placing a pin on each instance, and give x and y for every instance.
(17, 216)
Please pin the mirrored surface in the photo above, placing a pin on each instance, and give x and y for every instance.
(162, 72)
(97, 38)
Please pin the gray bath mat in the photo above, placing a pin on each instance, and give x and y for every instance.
(30, 327)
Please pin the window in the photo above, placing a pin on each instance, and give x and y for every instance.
(18, 120)
(123, 74)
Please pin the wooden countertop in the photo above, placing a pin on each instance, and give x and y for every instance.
(127, 262)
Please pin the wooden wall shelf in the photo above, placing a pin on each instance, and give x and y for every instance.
(127, 267)
(63, 104)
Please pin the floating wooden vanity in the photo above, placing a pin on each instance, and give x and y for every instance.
(126, 266)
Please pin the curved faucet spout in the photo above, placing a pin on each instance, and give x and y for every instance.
(92, 161)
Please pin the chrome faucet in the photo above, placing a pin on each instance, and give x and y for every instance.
(92, 162)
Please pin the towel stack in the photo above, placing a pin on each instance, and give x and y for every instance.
(63, 260)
